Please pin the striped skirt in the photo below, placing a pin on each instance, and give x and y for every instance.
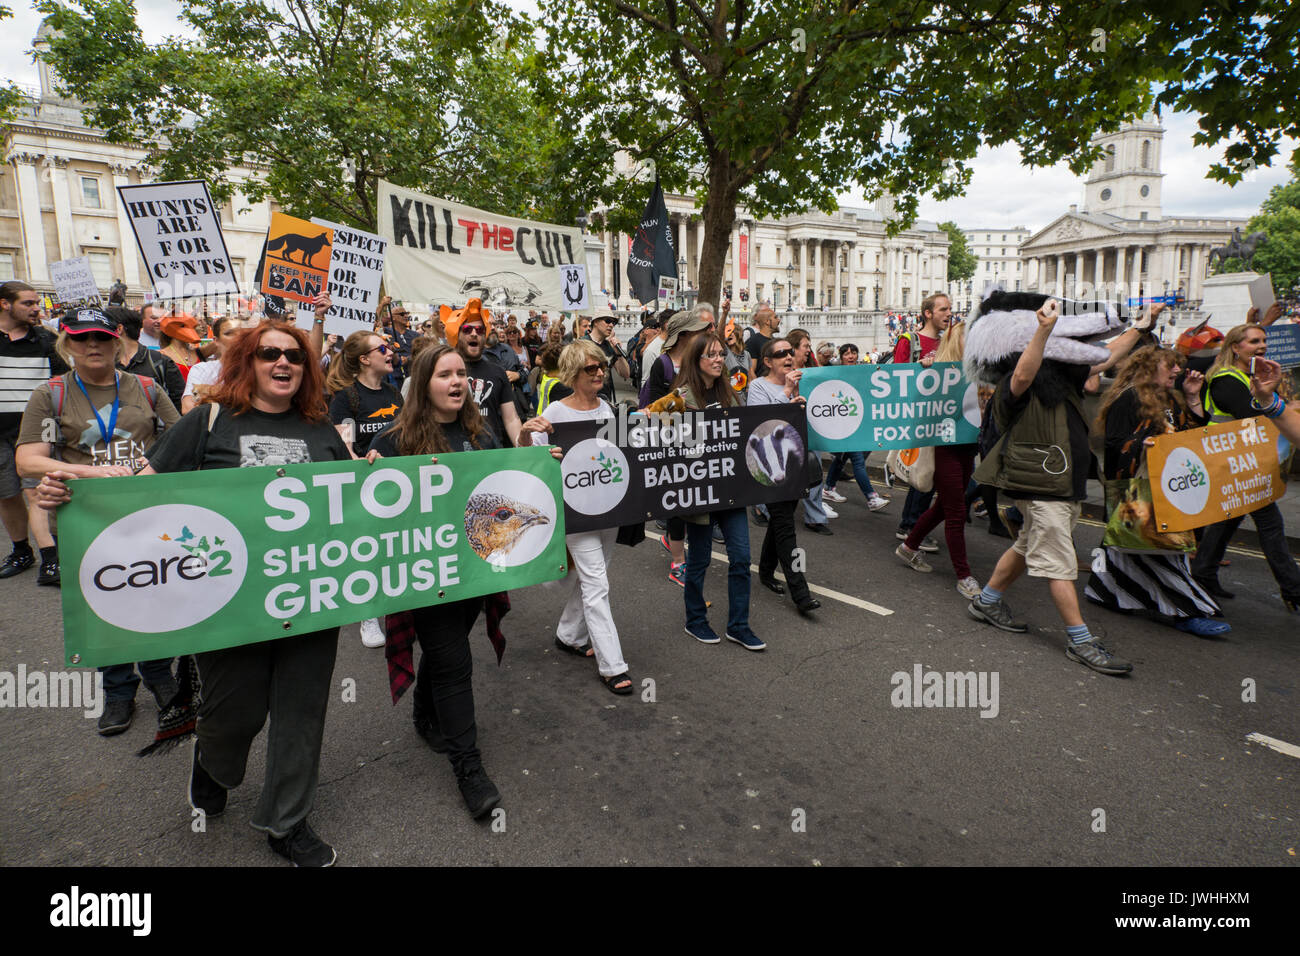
(1158, 584)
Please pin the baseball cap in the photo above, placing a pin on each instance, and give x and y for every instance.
(77, 321)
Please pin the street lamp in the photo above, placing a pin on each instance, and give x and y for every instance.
(681, 281)
(789, 286)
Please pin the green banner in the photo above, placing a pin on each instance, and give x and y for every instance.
(162, 565)
(870, 407)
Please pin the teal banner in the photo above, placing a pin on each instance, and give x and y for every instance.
(874, 407)
(161, 565)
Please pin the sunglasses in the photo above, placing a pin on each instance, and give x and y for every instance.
(595, 367)
(100, 337)
(381, 349)
(782, 353)
(268, 353)
(473, 330)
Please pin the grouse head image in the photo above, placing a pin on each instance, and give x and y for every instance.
(1006, 321)
(494, 523)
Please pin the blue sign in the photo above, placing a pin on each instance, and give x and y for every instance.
(870, 407)
(1283, 343)
(1156, 300)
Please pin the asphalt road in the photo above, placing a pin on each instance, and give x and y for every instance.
(795, 756)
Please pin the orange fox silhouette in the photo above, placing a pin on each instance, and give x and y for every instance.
(386, 412)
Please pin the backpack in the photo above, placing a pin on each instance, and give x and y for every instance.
(915, 342)
(643, 398)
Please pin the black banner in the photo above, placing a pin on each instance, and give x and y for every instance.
(632, 467)
(652, 253)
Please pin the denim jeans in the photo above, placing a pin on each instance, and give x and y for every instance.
(699, 548)
(121, 683)
(858, 461)
(914, 505)
(814, 512)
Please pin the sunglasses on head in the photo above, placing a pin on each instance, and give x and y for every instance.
(269, 353)
(94, 337)
(595, 367)
(782, 353)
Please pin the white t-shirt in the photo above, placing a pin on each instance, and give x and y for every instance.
(652, 352)
(557, 412)
(205, 373)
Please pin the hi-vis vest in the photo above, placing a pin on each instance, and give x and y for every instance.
(544, 387)
(1217, 414)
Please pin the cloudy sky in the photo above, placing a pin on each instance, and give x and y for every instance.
(1038, 196)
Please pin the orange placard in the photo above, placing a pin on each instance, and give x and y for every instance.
(297, 258)
(1206, 475)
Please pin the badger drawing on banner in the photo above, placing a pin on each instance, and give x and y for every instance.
(774, 452)
(573, 288)
(500, 288)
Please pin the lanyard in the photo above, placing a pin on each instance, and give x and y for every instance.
(111, 430)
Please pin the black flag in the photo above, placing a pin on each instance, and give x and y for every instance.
(652, 254)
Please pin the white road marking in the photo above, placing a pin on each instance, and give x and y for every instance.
(1281, 746)
(814, 588)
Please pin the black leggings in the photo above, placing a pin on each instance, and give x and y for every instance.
(444, 691)
(779, 545)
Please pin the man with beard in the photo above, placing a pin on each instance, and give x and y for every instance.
(489, 385)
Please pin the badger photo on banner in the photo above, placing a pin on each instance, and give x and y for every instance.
(179, 234)
(870, 407)
(445, 253)
(632, 467)
(171, 564)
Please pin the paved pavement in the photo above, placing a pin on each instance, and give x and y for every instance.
(794, 756)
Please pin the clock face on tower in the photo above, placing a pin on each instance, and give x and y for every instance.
(1105, 195)
(1145, 191)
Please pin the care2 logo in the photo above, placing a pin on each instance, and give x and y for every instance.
(595, 473)
(1186, 481)
(163, 568)
(834, 409)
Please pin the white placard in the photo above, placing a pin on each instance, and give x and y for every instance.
(179, 235)
(356, 269)
(1261, 293)
(445, 253)
(573, 287)
(74, 281)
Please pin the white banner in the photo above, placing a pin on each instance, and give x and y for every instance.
(442, 252)
(179, 235)
(356, 269)
(74, 281)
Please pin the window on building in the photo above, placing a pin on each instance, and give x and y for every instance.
(90, 193)
(1146, 154)
(758, 253)
(812, 301)
(6, 266)
(1110, 158)
(862, 257)
(906, 292)
(905, 260)
(862, 295)
(877, 262)
(239, 269)
(101, 264)
(844, 298)
(1142, 215)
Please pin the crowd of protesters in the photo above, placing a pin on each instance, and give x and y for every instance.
(476, 380)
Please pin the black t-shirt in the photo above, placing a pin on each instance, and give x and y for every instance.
(659, 381)
(247, 440)
(24, 364)
(755, 345)
(607, 390)
(1080, 453)
(490, 387)
(371, 409)
(1231, 396)
(457, 439)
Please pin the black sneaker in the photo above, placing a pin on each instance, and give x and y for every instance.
(999, 615)
(16, 564)
(48, 575)
(116, 717)
(303, 847)
(205, 793)
(1098, 658)
(480, 793)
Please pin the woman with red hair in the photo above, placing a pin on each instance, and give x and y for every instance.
(268, 408)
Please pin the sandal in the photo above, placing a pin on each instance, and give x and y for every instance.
(584, 651)
(613, 683)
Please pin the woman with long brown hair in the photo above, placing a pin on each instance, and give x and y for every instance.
(1141, 404)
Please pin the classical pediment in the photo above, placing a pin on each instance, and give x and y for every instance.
(1069, 228)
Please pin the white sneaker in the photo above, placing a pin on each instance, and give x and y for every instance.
(830, 512)
(830, 494)
(875, 502)
(372, 635)
(969, 588)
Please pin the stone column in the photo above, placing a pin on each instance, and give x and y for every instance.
(1194, 272)
(1059, 280)
(817, 273)
(126, 238)
(851, 253)
(800, 296)
(58, 172)
(29, 206)
(1121, 280)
